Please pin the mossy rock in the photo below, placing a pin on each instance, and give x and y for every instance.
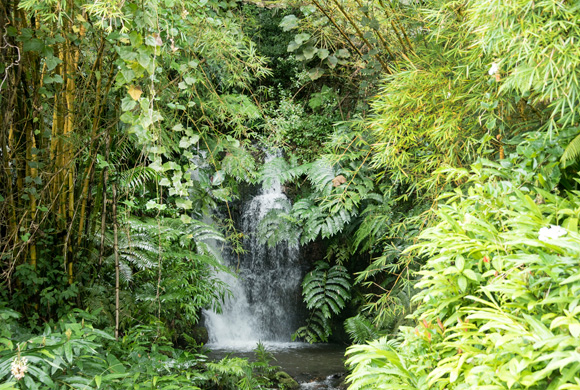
(285, 381)
(195, 337)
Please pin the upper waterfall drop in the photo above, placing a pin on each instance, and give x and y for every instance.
(266, 294)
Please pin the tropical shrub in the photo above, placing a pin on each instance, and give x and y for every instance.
(499, 300)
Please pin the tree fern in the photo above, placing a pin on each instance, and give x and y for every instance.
(325, 290)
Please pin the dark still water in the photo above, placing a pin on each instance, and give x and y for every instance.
(314, 366)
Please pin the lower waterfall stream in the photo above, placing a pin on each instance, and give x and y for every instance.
(266, 302)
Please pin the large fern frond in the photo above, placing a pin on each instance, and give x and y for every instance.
(572, 151)
(136, 177)
(326, 290)
(240, 164)
(278, 226)
(277, 170)
(317, 329)
(378, 365)
(361, 329)
(320, 173)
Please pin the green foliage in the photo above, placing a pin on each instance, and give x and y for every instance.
(572, 151)
(65, 356)
(491, 275)
(546, 27)
(187, 283)
(378, 365)
(326, 290)
(72, 353)
(360, 329)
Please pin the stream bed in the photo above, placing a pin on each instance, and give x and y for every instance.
(314, 366)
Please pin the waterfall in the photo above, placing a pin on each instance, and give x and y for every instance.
(265, 295)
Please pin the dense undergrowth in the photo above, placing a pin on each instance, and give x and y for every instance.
(430, 153)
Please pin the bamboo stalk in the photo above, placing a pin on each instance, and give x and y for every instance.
(361, 35)
(377, 32)
(33, 173)
(104, 205)
(403, 32)
(88, 172)
(116, 251)
(337, 27)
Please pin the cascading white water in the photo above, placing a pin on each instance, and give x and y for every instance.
(265, 295)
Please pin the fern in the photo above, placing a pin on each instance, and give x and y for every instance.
(278, 170)
(131, 179)
(320, 173)
(572, 151)
(278, 226)
(317, 329)
(240, 164)
(361, 329)
(326, 290)
(316, 222)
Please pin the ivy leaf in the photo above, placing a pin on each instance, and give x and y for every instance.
(185, 204)
(343, 53)
(332, 61)
(153, 40)
(301, 38)
(315, 73)
(128, 75)
(289, 22)
(186, 142)
(309, 52)
(127, 104)
(33, 44)
(51, 62)
(135, 92)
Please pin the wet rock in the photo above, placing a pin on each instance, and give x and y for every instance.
(285, 381)
(195, 337)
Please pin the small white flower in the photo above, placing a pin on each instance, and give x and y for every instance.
(550, 233)
(19, 367)
(494, 69)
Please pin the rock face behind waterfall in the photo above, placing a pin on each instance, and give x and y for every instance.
(266, 294)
